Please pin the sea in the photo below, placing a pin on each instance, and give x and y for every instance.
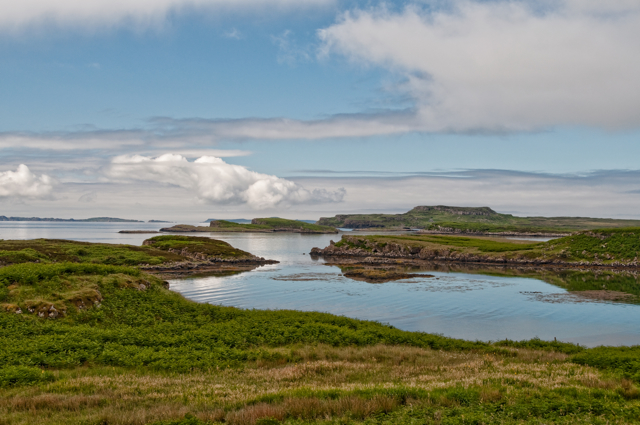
(461, 305)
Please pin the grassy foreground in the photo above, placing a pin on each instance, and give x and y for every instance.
(142, 354)
(471, 220)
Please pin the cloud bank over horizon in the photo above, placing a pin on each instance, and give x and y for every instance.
(217, 182)
(175, 189)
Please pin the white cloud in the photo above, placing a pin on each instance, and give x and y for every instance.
(15, 15)
(22, 183)
(83, 140)
(217, 182)
(505, 65)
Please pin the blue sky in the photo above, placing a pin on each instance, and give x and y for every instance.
(318, 107)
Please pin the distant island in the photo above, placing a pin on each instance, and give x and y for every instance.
(247, 221)
(84, 220)
(158, 221)
(257, 225)
(472, 220)
(232, 220)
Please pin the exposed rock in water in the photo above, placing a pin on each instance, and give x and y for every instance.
(381, 275)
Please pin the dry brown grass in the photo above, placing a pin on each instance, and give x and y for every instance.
(127, 398)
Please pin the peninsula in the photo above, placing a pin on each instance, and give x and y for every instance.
(603, 248)
(166, 255)
(472, 220)
(258, 225)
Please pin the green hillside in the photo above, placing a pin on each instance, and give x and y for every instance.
(471, 220)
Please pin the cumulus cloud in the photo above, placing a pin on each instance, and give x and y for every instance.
(22, 183)
(505, 65)
(90, 13)
(217, 182)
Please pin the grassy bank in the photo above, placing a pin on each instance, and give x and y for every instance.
(137, 353)
(604, 247)
(155, 251)
(465, 219)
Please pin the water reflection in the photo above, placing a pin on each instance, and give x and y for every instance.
(477, 302)
(582, 285)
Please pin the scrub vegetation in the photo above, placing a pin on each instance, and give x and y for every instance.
(122, 349)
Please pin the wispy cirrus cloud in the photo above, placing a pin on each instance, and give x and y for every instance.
(17, 15)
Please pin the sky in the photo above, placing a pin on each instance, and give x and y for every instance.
(196, 109)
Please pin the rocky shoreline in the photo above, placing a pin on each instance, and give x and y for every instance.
(193, 268)
(201, 263)
(393, 253)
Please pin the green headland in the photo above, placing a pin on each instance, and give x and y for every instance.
(258, 225)
(444, 219)
(614, 248)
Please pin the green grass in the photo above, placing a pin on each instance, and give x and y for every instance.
(128, 351)
(55, 250)
(281, 223)
(197, 245)
(602, 246)
(158, 328)
(481, 220)
(162, 330)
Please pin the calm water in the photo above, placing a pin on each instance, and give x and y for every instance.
(468, 306)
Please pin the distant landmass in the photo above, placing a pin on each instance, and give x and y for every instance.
(479, 220)
(257, 225)
(84, 220)
(245, 221)
(158, 221)
(232, 220)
